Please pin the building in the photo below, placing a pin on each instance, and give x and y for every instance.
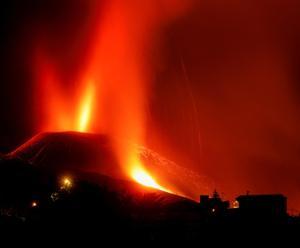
(213, 205)
(262, 205)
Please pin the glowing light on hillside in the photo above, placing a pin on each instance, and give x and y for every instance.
(236, 204)
(66, 183)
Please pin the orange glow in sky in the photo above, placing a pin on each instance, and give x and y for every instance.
(61, 111)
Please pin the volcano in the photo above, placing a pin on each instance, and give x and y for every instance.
(33, 172)
(69, 152)
(72, 182)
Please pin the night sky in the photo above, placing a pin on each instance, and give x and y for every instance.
(225, 89)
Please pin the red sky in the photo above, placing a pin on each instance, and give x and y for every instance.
(224, 95)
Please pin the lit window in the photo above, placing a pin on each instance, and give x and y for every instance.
(236, 204)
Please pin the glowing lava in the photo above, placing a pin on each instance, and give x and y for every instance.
(59, 110)
(140, 175)
(86, 109)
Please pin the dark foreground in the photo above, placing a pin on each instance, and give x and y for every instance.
(39, 199)
(100, 207)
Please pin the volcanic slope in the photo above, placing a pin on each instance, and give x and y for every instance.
(68, 152)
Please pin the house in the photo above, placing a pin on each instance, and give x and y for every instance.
(213, 205)
(274, 205)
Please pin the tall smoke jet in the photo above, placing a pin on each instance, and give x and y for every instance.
(122, 62)
(112, 86)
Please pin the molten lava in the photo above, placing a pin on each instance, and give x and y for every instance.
(84, 114)
(140, 175)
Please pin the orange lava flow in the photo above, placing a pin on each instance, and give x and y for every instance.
(140, 175)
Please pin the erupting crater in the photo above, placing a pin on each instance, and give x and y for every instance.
(107, 94)
(66, 153)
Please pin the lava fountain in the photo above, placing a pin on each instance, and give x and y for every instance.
(85, 110)
(110, 93)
